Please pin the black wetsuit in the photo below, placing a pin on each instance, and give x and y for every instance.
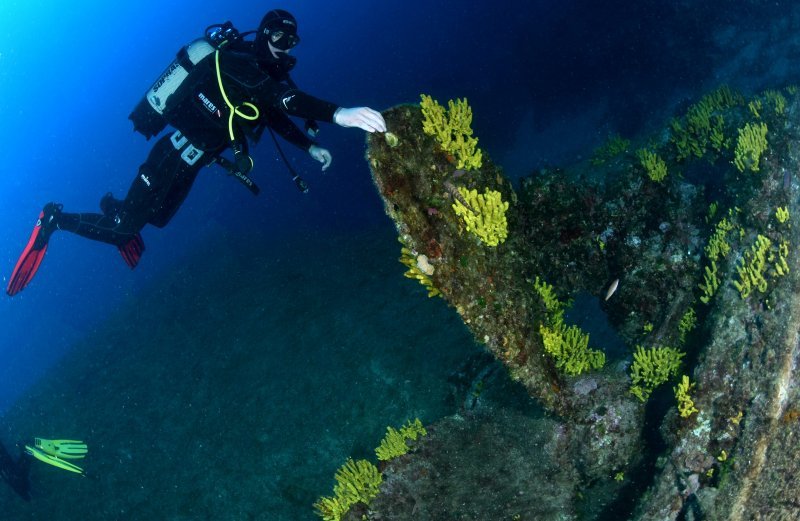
(165, 178)
(15, 473)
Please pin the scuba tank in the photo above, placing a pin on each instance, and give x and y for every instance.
(148, 116)
(151, 115)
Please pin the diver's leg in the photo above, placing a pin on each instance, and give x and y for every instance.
(120, 222)
(15, 473)
(106, 227)
(160, 187)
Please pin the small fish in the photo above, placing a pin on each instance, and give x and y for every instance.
(787, 180)
(612, 288)
(452, 190)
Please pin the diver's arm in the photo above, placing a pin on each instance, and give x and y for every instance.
(297, 103)
(284, 126)
(280, 123)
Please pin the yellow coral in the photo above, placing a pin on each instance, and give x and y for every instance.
(780, 265)
(752, 268)
(752, 143)
(614, 146)
(711, 283)
(331, 508)
(712, 211)
(717, 134)
(777, 100)
(655, 167)
(688, 322)
(682, 394)
(555, 308)
(394, 443)
(412, 262)
(485, 216)
(724, 97)
(691, 135)
(755, 107)
(718, 242)
(782, 214)
(356, 481)
(651, 368)
(452, 128)
(569, 347)
(754, 264)
(413, 430)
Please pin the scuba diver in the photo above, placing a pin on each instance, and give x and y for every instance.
(57, 453)
(221, 92)
(15, 473)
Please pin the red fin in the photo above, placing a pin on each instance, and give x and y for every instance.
(132, 251)
(28, 262)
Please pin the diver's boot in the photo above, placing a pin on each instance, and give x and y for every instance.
(34, 251)
(131, 250)
(110, 206)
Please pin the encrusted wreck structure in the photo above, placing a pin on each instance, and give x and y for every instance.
(687, 240)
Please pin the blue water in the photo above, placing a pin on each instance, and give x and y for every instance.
(547, 82)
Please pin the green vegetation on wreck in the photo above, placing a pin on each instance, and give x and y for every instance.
(395, 443)
(484, 215)
(452, 128)
(568, 345)
(674, 234)
(653, 367)
(359, 481)
(474, 266)
(356, 482)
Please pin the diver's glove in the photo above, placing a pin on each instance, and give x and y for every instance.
(312, 129)
(360, 117)
(322, 155)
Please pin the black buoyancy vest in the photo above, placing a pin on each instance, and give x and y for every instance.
(186, 96)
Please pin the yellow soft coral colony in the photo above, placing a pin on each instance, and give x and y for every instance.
(684, 398)
(651, 368)
(655, 167)
(394, 443)
(750, 146)
(568, 345)
(485, 216)
(452, 128)
(752, 268)
(356, 481)
(419, 268)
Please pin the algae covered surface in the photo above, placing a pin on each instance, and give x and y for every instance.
(689, 248)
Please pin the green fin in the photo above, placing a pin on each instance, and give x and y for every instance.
(52, 460)
(63, 449)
